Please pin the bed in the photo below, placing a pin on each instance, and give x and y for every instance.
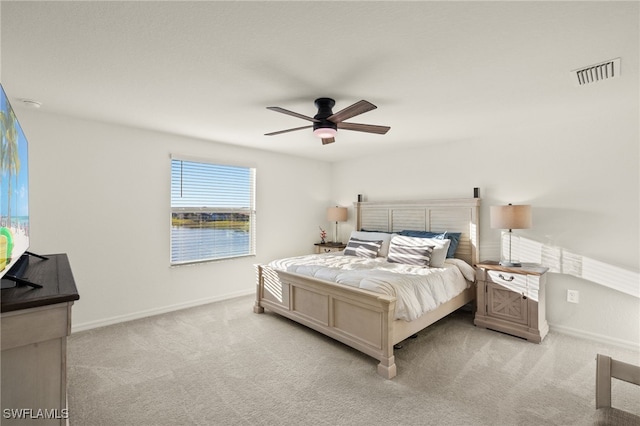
(370, 319)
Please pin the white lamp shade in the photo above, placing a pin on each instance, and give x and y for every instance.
(337, 214)
(511, 217)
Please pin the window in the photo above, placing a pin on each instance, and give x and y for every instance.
(212, 211)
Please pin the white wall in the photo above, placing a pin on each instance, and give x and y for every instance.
(581, 177)
(100, 193)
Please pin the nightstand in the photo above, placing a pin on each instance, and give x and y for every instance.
(512, 299)
(329, 247)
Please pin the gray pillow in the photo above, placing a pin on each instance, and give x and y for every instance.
(362, 248)
(410, 254)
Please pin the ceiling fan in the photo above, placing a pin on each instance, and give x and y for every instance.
(326, 123)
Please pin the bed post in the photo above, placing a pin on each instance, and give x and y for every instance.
(358, 215)
(387, 366)
(474, 233)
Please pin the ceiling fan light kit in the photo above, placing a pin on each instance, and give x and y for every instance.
(326, 123)
(325, 132)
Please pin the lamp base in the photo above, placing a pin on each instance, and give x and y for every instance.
(510, 263)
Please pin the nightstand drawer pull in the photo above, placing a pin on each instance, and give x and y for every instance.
(505, 278)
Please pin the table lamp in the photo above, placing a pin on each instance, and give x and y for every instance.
(336, 214)
(510, 217)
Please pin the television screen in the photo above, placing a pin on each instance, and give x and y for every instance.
(14, 189)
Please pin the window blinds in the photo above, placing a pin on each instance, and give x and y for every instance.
(212, 211)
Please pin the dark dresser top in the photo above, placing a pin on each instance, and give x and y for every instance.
(53, 274)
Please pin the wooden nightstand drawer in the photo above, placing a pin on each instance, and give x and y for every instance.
(526, 285)
(514, 282)
(329, 247)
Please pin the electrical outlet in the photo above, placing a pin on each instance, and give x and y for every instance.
(573, 296)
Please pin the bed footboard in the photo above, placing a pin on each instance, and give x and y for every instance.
(358, 318)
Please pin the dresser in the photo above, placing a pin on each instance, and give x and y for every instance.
(512, 299)
(35, 323)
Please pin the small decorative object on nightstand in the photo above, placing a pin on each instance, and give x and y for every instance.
(512, 299)
(323, 235)
(329, 247)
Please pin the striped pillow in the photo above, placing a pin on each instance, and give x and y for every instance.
(362, 248)
(409, 251)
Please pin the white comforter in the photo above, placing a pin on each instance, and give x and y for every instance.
(417, 289)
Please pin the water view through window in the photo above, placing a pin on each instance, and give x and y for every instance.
(212, 211)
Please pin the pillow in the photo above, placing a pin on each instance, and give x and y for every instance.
(455, 240)
(410, 251)
(453, 236)
(422, 234)
(362, 248)
(440, 249)
(384, 236)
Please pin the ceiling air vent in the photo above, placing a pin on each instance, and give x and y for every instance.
(598, 72)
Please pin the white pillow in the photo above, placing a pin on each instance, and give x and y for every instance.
(375, 236)
(439, 254)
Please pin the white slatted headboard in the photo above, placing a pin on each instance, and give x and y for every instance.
(454, 215)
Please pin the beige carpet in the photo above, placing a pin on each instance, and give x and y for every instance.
(221, 364)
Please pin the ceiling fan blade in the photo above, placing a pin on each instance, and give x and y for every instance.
(295, 114)
(358, 108)
(328, 140)
(288, 130)
(369, 128)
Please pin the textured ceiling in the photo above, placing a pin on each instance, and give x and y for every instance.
(439, 72)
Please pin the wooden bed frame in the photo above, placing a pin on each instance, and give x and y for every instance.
(364, 319)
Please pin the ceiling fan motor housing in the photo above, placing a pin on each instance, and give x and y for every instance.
(324, 106)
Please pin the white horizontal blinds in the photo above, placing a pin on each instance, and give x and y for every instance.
(212, 211)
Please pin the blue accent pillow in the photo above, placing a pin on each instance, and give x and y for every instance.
(453, 236)
(422, 234)
(455, 239)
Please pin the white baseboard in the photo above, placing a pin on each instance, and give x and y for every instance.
(625, 344)
(156, 311)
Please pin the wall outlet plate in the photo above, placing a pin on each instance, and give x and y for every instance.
(573, 296)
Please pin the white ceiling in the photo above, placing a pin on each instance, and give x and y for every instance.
(438, 71)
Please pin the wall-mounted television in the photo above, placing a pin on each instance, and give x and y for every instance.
(14, 195)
